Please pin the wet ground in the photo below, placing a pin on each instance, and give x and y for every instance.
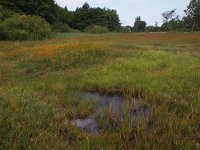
(117, 107)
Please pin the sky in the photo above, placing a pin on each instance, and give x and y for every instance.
(149, 10)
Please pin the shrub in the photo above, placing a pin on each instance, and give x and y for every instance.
(96, 29)
(61, 27)
(23, 27)
(37, 27)
(19, 35)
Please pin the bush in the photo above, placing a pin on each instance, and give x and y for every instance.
(24, 27)
(96, 29)
(19, 35)
(61, 27)
(37, 27)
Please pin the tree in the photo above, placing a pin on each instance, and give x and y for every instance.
(167, 15)
(188, 22)
(139, 26)
(175, 24)
(138, 19)
(125, 29)
(47, 9)
(112, 20)
(171, 21)
(56, 15)
(156, 24)
(193, 15)
(86, 6)
(86, 16)
(5, 13)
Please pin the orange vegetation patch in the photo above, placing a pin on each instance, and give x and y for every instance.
(52, 51)
(45, 50)
(1, 54)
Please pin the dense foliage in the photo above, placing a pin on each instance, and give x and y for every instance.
(62, 27)
(139, 25)
(86, 16)
(5, 13)
(44, 8)
(23, 27)
(54, 14)
(96, 29)
(18, 19)
(193, 15)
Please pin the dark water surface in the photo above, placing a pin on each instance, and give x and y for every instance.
(117, 106)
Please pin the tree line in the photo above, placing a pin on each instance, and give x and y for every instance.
(57, 16)
(171, 21)
(17, 16)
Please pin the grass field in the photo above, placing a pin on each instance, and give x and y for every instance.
(41, 83)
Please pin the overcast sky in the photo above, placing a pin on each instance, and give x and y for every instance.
(149, 10)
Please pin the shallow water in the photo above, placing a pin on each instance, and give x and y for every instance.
(116, 105)
(88, 125)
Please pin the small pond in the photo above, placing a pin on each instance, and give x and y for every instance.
(118, 107)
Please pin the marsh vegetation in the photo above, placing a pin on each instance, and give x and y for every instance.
(42, 85)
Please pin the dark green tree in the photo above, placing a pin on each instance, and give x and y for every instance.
(87, 16)
(193, 15)
(58, 16)
(86, 6)
(47, 9)
(139, 25)
(5, 13)
(125, 29)
(113, 22)
(167, 15)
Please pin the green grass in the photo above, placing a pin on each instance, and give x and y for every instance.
(40, 94)
(62, 35)
(77, 34)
